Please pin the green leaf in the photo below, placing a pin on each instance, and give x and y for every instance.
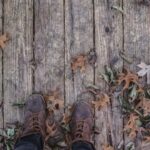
(105, 77)
(10, 132)
(138, 123)
(133, 93)
(110, 73)
(19, 104)
(130, 146)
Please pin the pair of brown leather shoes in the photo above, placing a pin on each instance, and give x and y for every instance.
(81, 123)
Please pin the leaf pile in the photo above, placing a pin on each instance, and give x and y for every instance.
(3, 39)
(134, 100)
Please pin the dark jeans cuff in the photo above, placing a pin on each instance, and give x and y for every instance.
(33, 141)
(82, 145)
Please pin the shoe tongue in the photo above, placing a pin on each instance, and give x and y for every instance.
(34, 106)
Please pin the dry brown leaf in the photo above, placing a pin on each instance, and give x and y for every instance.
(50, 129)
(54, 101)
(107, 147)
(102, 102)
(79, 63)
(131, 126)
(3, 39)
(127, 78)
(145, 105)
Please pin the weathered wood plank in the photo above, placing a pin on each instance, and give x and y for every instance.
(109, 41)
(17, 56)
(78, 40)
(49, 46)
(1, 99)
(136, 38)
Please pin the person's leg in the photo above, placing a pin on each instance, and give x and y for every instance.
(81, 126)
(81, 145)
(33, 132)
(30, 142)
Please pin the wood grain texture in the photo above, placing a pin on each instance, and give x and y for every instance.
(17, 56)
(49, 46)
(108, 33)
(1, 99)
(78, 40)
(136, 39)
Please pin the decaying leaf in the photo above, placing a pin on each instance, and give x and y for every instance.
(131, 126)
(127, 78)
(54, 100)
(79, 62)
(3, 39)
(107, 147)
(102, 101)
(145, 105)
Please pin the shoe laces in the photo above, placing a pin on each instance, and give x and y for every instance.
(79, 129)
(34, 123)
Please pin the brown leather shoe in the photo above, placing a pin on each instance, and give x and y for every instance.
(35, 116)
(82, 122)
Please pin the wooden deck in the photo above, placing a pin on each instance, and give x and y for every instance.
(46, 34)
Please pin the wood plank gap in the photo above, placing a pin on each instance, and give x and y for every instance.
(64, 54)
(33, 62)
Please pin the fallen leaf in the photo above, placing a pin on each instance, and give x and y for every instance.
(51, 128)
(102, 101)
(107, 147)
(108, 76)
(79, 63)
(131, 126)
(54, 100)
(130, 146)
(127, 78)
(145, 69)
(3, 39)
